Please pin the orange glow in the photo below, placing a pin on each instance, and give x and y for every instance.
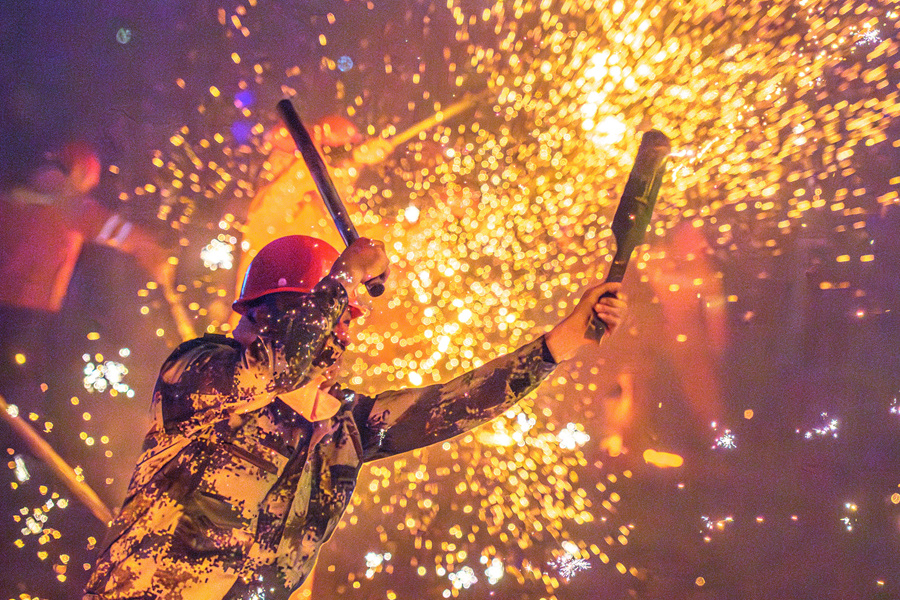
(663, 460)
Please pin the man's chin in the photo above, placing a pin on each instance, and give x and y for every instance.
(331, 372)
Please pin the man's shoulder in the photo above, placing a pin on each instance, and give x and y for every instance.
(208, 340)
(218, 338)
(197, 351)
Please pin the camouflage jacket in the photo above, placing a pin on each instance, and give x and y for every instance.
(234, 492)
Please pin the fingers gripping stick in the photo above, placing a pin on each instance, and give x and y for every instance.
(632, 218)
(319, 172)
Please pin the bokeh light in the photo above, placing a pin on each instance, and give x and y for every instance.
(765, 282)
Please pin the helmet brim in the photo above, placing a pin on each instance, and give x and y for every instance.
(241, 305)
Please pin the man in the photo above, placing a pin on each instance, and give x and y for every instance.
(253, 454)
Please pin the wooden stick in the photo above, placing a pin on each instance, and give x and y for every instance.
(41, 449)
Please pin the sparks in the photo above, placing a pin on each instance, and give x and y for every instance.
(109, 375)
(568, 566)
(725, 441)
(571, 437)
(849, 519)
(494, 571)
(870, 36)
(373, 559)
(463, 579)
(716, 525)
(828, 428)
(374, 562)
(217, 254)
(20, 469)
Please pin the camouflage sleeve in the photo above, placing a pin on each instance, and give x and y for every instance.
(403, 420)
(206, 381)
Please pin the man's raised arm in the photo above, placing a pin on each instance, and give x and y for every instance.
(403, 420)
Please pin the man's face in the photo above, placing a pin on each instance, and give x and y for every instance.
(329, 359)
(342, 329)
(331, 355)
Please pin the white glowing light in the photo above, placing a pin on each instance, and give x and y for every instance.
(871, 36)
(110, 374)
(726, 441)
(463, 579)
(494, 571)
(374, 559)
(608, 131)
(568, 565)
(503, 437)
(498, 436)
(525, 423)
(217, 255)
(36, 521)
(571, 437)
(849, 520)
(829, 427)
(683, 152)
(411, 213)
(32, 527)
(716, 524)
(21, 471)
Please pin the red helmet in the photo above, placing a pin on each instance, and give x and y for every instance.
(295, 263)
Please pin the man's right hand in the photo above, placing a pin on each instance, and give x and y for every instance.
(363, 260)
(571, 333)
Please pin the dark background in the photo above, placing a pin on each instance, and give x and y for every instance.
(795, 349)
